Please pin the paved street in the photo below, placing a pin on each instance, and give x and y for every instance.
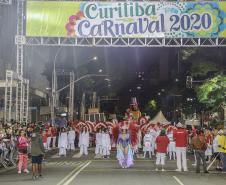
(90, 171)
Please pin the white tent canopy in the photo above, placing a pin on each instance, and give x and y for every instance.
(160, 118)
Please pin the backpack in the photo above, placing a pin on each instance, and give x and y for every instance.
(199, 145)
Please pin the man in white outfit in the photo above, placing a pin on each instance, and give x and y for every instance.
(98, 149)
(84, 141)
(106, 144)
(181, 139)
(71, 139)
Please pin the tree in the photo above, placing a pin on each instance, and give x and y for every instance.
(212, 92)
(202, 61)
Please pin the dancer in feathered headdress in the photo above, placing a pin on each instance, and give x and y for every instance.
(125, 136)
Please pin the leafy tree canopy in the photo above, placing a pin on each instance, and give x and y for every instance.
(213, 92)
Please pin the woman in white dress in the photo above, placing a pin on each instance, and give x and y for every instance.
(63, 142)
(84, 141)
(71, 139)
(98, 149)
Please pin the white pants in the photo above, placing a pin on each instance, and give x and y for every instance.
(160, 158)
(48, 143)
(71, 146)
(105, 151)
(83, 150)
(153, 148)
(98, 149)
(172, 150)
(62, 151)
(147, 150)
(181, 158)
(54, 142)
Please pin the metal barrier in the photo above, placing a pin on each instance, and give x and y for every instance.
(8, 155)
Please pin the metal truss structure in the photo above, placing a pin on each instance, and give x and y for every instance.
(8, 96)
(22, 84)
(126, 42)
(22, 89)
(13, 80)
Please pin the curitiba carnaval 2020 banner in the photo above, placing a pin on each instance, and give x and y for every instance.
(126, 19)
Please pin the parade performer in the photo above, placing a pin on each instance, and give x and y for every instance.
(63, 142)
(106, 143)
(125, 135)
(84, 141)
(181, 139)
(134, 111)
(54, 135)
(98, 149)
(153, 134)
(71, 139)
(147, 144)
(209, 141)
(49, 137)
(162, 142)
(172, 145)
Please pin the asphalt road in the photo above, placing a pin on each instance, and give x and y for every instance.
(90, 171)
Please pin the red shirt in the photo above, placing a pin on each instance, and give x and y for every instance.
(208, 139)
(44, 138)
(162, 144)
(181, 137)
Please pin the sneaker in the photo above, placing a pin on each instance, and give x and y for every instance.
(206, 171)
(19, 172)
(26, 171)
(163, 170)
(186, 170)
(156, 169)
(178, 170)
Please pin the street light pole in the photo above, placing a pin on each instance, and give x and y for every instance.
(54, 100)
(75, 81)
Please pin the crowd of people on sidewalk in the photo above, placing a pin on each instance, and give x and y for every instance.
(172, 142)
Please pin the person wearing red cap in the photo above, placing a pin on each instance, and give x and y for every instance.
(181, 138)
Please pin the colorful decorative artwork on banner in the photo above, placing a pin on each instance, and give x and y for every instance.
(126, 19)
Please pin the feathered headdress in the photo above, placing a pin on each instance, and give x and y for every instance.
(125, 125)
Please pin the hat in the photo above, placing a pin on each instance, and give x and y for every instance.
(133, 101)
(179, 125)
